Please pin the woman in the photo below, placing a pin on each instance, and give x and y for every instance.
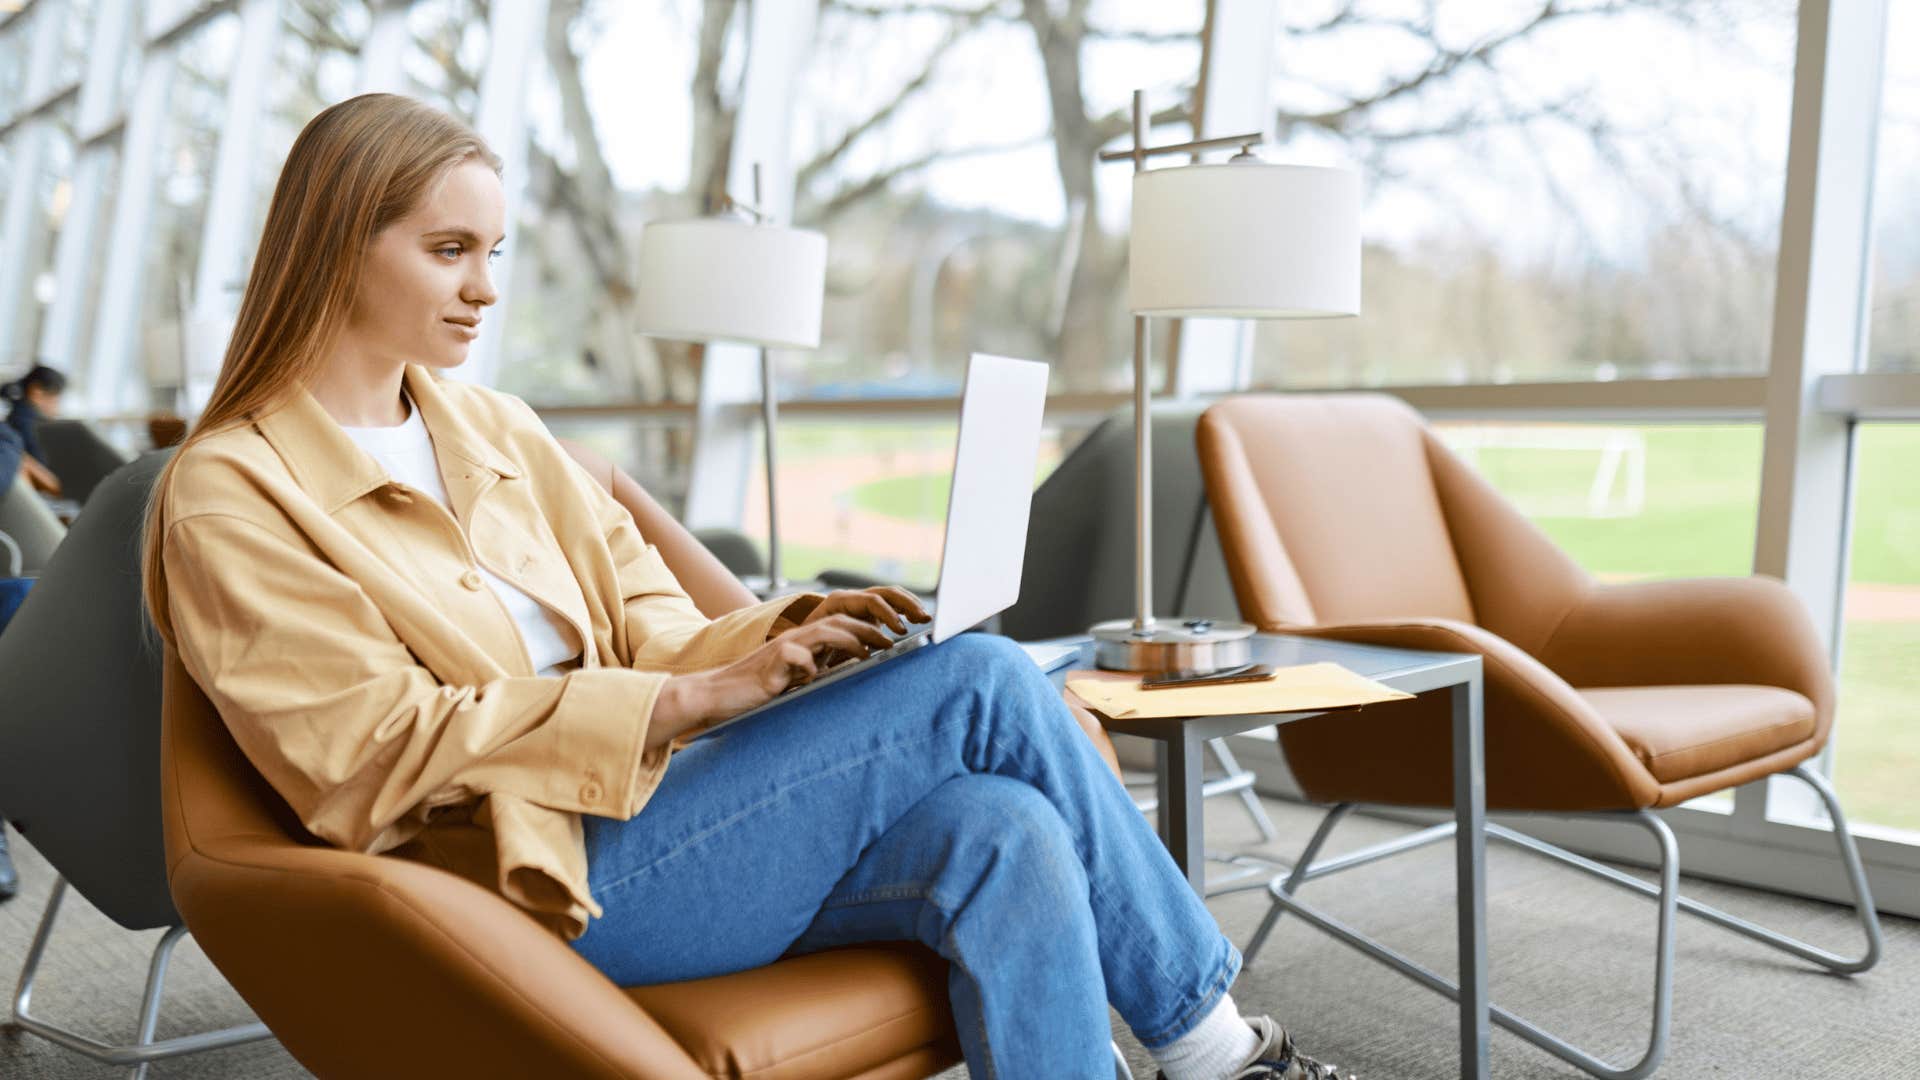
(35, 396)
(439, 638)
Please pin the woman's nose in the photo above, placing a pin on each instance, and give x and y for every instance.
(479, 288)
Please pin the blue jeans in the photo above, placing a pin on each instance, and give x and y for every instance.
(947, 797)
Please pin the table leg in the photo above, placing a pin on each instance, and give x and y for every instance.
(1470, 871)
(1178, 782)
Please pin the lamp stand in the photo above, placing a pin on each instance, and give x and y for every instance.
(769, 420)
(1144, 643)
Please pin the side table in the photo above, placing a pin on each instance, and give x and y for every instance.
(1458, 675)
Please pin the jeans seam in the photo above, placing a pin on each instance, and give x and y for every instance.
(915, 890)
(980, 1020)
(1205, 1000)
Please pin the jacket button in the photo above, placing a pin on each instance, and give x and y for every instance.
(591, 793)
(471, 579)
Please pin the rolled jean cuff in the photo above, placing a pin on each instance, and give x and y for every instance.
(1199, 1003)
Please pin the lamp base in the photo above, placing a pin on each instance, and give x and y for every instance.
(768, 588)
(1169, 646)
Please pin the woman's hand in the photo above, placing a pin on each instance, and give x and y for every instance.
(688, 702)
(40, 477)
(881, 604)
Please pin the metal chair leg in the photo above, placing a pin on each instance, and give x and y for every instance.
(144, 1050)
(1666, 893)
(150, 1000)
(1120, 1069)
(1849, 855)
(1663, 963)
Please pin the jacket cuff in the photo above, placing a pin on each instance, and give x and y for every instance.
(738, 633)
(601, 723)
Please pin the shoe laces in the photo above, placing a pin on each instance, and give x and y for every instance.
(1288, 1063)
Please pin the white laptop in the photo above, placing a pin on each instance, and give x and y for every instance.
(992, 492)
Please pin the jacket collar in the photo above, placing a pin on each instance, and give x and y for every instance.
(333, 469)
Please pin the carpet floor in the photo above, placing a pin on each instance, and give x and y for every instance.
(1567, 952)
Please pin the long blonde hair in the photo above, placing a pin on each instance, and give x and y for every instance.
(356, 168)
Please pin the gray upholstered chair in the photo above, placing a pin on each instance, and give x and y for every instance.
(30, 529)
(77, 454)
(78, 650)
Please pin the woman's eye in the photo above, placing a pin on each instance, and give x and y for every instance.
(495, 254)
(451, 251)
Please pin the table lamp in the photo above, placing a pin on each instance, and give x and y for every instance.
(737, 278)
(1240, 240)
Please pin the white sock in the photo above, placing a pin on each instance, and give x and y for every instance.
(1216, 1046)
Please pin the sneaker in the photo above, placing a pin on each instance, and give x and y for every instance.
(1278, 1059)
(9, 881)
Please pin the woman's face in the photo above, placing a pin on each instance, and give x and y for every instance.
(426, 278)
(45, 400)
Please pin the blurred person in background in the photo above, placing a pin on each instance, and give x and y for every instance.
(32, 398)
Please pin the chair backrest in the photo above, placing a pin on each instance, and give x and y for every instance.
(1079, 562)
(30, 523)
(78, 456)
(1340, 507)
(80, 676)
(1328, 509)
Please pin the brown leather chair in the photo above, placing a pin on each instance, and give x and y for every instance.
(1343, 516)
(370, 966)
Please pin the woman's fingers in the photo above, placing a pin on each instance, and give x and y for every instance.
(867, 604)
(854, 635)
(903, 601)
(798, 662)
(876, 606)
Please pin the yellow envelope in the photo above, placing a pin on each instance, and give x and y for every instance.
(1303, 688)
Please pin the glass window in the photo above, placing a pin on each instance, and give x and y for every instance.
(446, 54)
(1894, 337)
(866, 496)
(317, 65)
(56, 191)
(1552, 192)
(1628, 501)
(96, 265)
(1876, 743)
(597, 171)
(190, 139)
(74, 42)
(16, 46)
(962, 213)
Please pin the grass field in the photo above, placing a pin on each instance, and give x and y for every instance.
(1697, 518)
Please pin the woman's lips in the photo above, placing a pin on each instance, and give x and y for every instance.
(465, 331)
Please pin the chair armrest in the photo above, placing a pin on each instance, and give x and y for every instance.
(353, 960)
(1751, 631)
(1547, 748)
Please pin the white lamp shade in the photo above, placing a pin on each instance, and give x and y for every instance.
(1245, 240)
(717, 279)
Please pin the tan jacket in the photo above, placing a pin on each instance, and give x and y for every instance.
(336, 620)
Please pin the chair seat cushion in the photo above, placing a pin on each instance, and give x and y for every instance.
(874, 1012)
(1679, 732)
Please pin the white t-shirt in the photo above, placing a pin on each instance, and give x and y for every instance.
(406, 452)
